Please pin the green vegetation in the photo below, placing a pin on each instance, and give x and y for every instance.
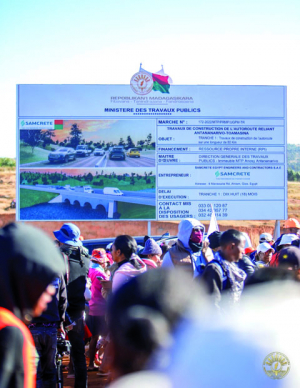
(133, 182)
(8, 162)
(26, 155)
(32, 197)
(135, 211)
(293, 157)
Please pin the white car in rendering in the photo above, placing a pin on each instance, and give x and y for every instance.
(112, 191)
(99, 151)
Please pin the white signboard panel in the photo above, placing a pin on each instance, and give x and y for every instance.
(107, 152)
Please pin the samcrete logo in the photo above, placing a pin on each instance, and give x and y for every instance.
(143, 82)
(22, 123)
(232, 174)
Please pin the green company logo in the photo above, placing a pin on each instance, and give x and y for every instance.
(22, 123)
(217, 174)
(276, 365)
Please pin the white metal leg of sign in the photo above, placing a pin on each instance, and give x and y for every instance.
(149, 228)
(110, 210)
(277, 230)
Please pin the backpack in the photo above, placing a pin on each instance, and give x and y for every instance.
(222, 271)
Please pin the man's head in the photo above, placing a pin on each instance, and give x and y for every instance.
(292, 226)
(190, 230)
(289, 258)
(29, 263)
(232, 245)
(68, 234)
(286, 241)
(214, 240)
(123, 248)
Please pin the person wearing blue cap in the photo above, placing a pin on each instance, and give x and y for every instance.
(77, 266)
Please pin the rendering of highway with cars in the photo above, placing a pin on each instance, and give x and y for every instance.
(115, 157)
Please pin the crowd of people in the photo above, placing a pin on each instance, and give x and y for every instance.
(123, 308)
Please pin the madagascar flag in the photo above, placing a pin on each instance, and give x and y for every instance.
(160, 83)
(58, 124)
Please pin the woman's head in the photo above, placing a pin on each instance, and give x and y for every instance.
(123, 248)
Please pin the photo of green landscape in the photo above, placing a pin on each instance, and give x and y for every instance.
(87, 194)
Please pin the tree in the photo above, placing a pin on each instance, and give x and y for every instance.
(121, 142)
(130, 143)
(76, 135)
(46, 137)
(291, 175)
(149, 138)
(31, 137)
(89, 177)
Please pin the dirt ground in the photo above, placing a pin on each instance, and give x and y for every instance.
(98, 229)
(7, 190)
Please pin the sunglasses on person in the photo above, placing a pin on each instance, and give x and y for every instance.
(198, 229)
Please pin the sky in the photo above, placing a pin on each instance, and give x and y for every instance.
(232, 42)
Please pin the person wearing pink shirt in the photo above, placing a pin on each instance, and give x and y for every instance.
(96, 319)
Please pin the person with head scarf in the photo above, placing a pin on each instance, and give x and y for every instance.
(29, 264)
(187, 253)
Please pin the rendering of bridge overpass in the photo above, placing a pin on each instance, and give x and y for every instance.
(96, 200)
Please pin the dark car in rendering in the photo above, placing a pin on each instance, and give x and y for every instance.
(63, 154)
(117, 153)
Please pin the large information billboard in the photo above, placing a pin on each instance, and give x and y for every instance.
(107, 152)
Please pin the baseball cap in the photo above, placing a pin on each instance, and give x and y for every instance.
(264, 247)
(68, 234)
(249, 250)
(287, 239)
(265, 237)
(289, 256)
(292, 223)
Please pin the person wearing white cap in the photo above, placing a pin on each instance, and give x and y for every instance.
(264, 255)
(286, 241)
